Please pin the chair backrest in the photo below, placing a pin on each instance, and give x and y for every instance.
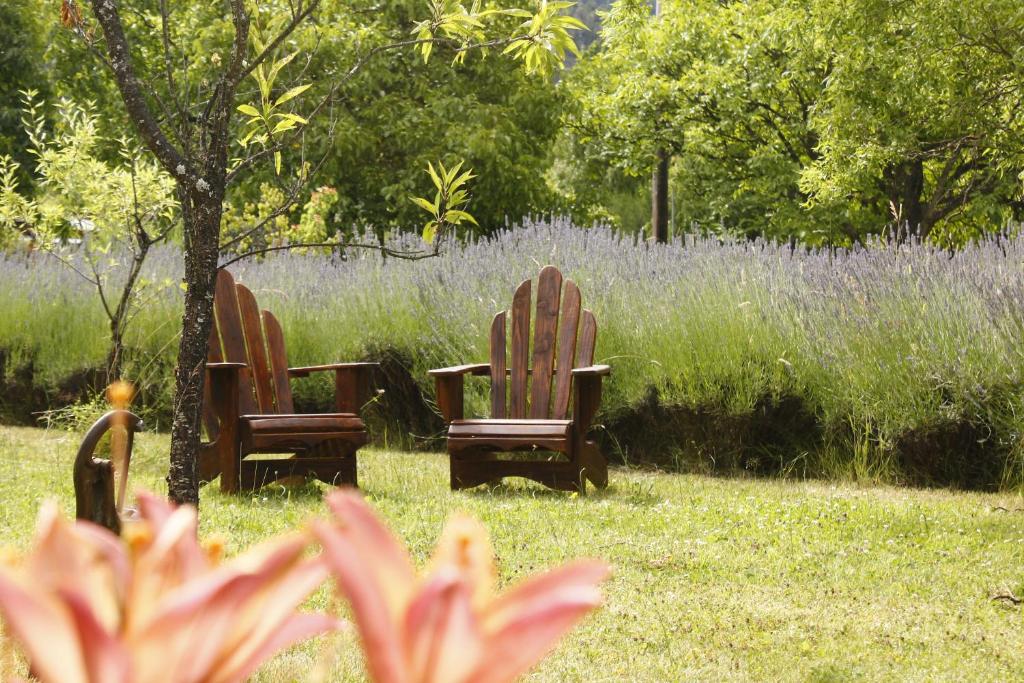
(241, 333)
(564, 336)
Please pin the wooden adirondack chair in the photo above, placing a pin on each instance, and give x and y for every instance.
(95, 499)
(248, 403)
(545, 423)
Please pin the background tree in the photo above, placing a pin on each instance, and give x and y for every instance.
(821, 121)
(398, 113)
(21, 68)
(922, 114)
(99, 218)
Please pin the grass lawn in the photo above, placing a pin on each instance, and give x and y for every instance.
(714, 579)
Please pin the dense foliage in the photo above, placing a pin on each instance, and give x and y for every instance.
(817, 120)
(886, 362)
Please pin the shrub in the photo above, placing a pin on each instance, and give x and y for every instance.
(895, 362)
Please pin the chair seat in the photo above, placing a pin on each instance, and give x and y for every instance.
(526, 430)
(308, 424)
(296, 433)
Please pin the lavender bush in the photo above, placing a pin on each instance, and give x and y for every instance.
(889, 352)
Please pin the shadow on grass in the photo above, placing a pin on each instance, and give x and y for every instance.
(629, 492)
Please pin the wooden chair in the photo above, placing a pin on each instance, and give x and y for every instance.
(545, 423)
(95, 499)
(248, 405)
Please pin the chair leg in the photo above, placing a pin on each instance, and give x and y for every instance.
(466, 473)
(230, 456)
(595, 465)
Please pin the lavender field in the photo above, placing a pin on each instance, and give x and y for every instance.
(887, 363)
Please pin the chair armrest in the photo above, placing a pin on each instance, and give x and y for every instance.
(306, 371)
(225, 366)
(472, 369)
(598, 370)
(351, 383)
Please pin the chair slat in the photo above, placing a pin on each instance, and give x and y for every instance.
(498, 383)
(588, 340)
(545, 331)
(213, 355)
(255, 345)
(520, 350)
(278, 364)
(229, 323)
(566, 350)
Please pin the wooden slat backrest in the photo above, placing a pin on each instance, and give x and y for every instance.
(278, 363)
(564, 336)
(214, 355)
(549, 295)
(566, 350)
(520, 351)
(498, 383)
(256, 349)
(229, 326)
(588, 340)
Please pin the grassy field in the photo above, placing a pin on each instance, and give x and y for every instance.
(714, 579)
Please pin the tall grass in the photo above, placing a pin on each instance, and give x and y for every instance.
(889, 355)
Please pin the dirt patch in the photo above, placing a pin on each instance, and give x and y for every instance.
(402, 409)
(957, 454)
(771, 439)
(22, 399)
(399, 415)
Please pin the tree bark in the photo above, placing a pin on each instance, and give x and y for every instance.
(202, 213)
(659, 197)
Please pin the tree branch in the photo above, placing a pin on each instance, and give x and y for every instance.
(127, 82)
(404, 255)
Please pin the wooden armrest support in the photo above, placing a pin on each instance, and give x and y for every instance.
(351, 383)
(306, 371)
(586, 386)
(472, 369)
(599, 370)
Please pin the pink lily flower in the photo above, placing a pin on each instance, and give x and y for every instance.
(88, 607)
(447, 626)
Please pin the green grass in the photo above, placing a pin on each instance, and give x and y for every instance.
(714, 579)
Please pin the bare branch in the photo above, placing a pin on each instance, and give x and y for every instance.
(72, 266)
(404, 255)
(127, 82)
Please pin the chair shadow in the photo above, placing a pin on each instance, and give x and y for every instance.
(524, 488)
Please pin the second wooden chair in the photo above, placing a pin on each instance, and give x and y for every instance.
(563, 353)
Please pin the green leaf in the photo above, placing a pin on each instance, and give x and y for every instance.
(433, 175)
(250, 110)
(430, 232)
(292, 93)
(282, 126)
(293, 117)
(456, 216)
(424, 204)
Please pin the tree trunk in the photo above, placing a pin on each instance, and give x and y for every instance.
(115, 357)
(906, 187)
(202, 214)
(659, 197)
